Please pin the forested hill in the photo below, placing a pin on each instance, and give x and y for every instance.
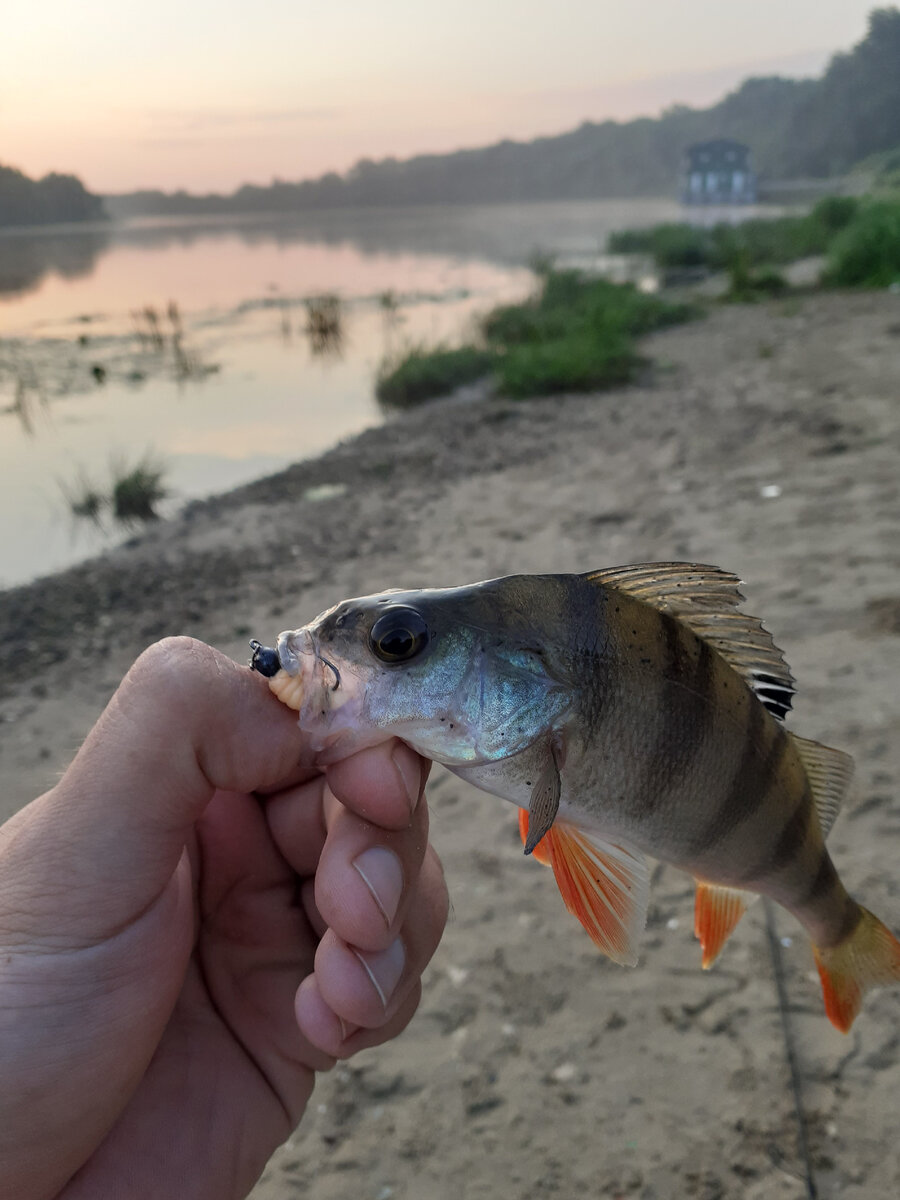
(52, 200)
(811, 128)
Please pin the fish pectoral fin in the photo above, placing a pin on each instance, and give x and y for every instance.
(544, 804)
(717, 911)
(605, 885)
(540, 851)
(830, 773)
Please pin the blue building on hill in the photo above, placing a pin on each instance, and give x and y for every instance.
(718, 172)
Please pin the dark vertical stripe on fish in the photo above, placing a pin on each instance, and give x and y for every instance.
(823, 881)
(795, 830)
(834, 907)
(851, 917)
(749, 786)
(674, 749)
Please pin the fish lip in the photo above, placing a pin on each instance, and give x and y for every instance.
(295, 645)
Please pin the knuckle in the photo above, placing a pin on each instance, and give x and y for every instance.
(173, 667)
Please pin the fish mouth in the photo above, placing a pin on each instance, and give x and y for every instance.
(296, 648)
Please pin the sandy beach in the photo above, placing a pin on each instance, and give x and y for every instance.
(765, 439)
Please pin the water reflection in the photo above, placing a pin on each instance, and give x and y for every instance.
(27, 258)
(500, 233)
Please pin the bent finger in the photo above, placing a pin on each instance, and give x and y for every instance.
(367, 988)
(382, 783)
(367, 876)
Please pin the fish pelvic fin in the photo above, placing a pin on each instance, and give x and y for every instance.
(540, 851)
(869, 957)
(605, 886)
(717, 911)
(830, 774)
(544, 803)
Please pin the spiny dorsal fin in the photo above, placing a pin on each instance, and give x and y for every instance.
(830, 773)
(706, 599)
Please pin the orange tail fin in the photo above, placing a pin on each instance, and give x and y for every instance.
(869, 957)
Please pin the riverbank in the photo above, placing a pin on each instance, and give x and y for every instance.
(765, 439)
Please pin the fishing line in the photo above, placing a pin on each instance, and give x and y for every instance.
(812, 1190)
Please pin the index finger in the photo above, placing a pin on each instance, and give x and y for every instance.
(185, 721)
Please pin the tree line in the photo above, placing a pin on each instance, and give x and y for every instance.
(806, 128)
(52, 200)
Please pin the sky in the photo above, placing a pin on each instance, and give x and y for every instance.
(209, 94)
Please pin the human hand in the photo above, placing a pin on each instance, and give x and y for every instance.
(192, 923)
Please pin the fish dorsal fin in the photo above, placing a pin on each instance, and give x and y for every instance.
(706, 599)
(717, 910)
(605, 886)
(830, 773)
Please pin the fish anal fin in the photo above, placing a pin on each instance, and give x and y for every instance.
(830, 774)
(706, 599)
(540, 851)
(717, 911)
(868, 958)
(606, 886)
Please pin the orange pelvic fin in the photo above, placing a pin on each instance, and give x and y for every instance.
(716, 912)
(540, 852)
(869, 957)
(606, 886)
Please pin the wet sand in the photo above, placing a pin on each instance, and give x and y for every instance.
(765, 439)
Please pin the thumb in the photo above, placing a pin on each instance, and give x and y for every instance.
(185, 721)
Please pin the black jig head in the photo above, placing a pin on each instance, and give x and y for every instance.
(265, 659)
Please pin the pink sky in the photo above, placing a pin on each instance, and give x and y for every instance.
(215, 93)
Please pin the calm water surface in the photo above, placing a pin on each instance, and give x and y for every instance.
(243, 389)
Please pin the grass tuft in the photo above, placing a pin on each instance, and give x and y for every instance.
(84, 498)
(137, 490)
(422, 374)
(575, 334)
(578, 362)
(747, 284)
(761, 241)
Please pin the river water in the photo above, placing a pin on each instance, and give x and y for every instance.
(187, 340)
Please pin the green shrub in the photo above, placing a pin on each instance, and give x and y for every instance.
(763, 240)
(747, 284)
(835, 213)
(426, 374)
(867, 252)
(575, 334)
(675, 244)
(579, 362)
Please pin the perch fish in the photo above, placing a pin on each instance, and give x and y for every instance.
(627, 712)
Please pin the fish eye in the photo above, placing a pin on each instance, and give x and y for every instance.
(398, 635)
